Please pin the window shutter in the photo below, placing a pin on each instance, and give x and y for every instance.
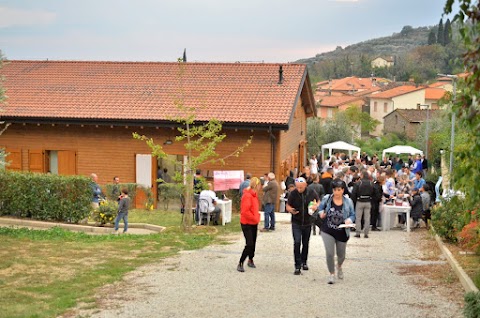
(67, 162)
(36, 161)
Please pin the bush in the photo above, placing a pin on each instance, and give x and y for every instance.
(450, 217)
(469, 237)
(106, 212)
(472, 305)
(132, 190)
(45, 196)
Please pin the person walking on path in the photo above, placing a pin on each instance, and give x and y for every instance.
(123, 206)
(299, 202)
(249, 219)
(270, 196)
(362, 195)
(336, 209)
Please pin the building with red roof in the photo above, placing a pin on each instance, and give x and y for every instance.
(77, 117)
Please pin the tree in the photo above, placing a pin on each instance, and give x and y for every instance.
(200, 141)
(406, 30)
(467, 166)
(345, 125)
(432, 39)
(3, 125)
(447, 33)
(440, 33)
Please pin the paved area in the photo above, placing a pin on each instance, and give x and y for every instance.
(138, 229)
(205, 283)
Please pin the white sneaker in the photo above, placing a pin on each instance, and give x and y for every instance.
(339, 273)
(331, 279)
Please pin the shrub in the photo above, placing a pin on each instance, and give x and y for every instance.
(106, 212)
(450, 217)
(469, 237)
(132, 190)
(45, 196)
(472, 305)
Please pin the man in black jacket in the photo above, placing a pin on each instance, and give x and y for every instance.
(299, 202)
(362, 194)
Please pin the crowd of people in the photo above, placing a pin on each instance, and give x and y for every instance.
(330, 196)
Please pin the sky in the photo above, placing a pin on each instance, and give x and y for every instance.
(210, 30)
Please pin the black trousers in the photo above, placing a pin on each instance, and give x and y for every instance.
(374, 214)
(250, 233)
(301, 240)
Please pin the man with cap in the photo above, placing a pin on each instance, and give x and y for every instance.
(301, 203)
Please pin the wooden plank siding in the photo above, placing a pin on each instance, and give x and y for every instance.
(111, 151)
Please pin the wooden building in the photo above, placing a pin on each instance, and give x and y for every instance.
(72, 117)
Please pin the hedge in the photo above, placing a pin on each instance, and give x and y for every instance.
(45, 196)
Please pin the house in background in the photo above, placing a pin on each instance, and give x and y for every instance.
(400, 97)
(328, 106)
(407, 121)
(433, 96)
(381, 62)
(77, 117)
(351, 85)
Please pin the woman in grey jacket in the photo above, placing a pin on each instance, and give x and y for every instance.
(337, 211)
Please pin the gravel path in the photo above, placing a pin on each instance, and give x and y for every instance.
(205, 283)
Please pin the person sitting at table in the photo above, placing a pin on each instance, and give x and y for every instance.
(210, 197)
(417, 207)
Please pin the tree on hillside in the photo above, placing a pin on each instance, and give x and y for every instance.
(432, 39)
(406, 30)
(467, 166)
(3, 125)
(200, 141)
(447, 32)
(440, 33)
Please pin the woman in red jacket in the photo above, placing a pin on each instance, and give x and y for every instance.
(249, 219)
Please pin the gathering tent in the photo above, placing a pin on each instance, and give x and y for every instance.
(340, 145)
(402, 149)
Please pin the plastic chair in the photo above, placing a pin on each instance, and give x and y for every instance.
(203, 211)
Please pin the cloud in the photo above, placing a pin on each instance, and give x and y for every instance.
(14, 17)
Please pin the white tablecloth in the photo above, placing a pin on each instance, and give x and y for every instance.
(388, 210)
(226, 207)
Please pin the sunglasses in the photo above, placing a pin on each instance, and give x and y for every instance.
(301, 180)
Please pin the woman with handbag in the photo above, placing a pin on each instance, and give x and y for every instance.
(249, 219)
(337, 213)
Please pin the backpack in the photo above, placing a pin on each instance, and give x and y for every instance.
(365, 191)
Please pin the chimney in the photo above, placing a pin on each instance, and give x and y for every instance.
(280, 75)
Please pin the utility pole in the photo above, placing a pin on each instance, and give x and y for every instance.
(452, 132)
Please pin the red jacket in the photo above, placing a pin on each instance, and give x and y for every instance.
(249, 208)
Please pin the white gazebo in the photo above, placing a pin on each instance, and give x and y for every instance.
(340, 145)
(402, 149)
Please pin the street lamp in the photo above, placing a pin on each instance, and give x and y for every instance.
(452, 133)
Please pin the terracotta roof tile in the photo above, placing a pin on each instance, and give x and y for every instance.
(434, 93)
(397, 91)
(335, 101)
(230, 92)
(351, 83)
(416, 115)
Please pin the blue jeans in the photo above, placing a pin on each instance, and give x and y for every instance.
(124, 216)
(269, 215)
(301, 236)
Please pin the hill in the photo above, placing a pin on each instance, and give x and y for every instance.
(395, 45)
(417, 54)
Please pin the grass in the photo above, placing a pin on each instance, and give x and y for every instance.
(469, 262)
(44, 273)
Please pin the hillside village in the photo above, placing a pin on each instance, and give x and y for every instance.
(383, 99)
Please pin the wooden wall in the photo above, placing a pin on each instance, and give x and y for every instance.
(110, 151)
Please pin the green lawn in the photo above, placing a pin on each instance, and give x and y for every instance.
(44, 273)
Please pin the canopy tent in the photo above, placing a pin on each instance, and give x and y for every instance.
(340, 145)
(401, 149)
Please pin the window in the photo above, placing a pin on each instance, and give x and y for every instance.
(385, 107)
(396, 119)
(375, 106)
(329, 113)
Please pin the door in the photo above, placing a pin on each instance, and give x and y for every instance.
(36, 161)
(67, 162)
